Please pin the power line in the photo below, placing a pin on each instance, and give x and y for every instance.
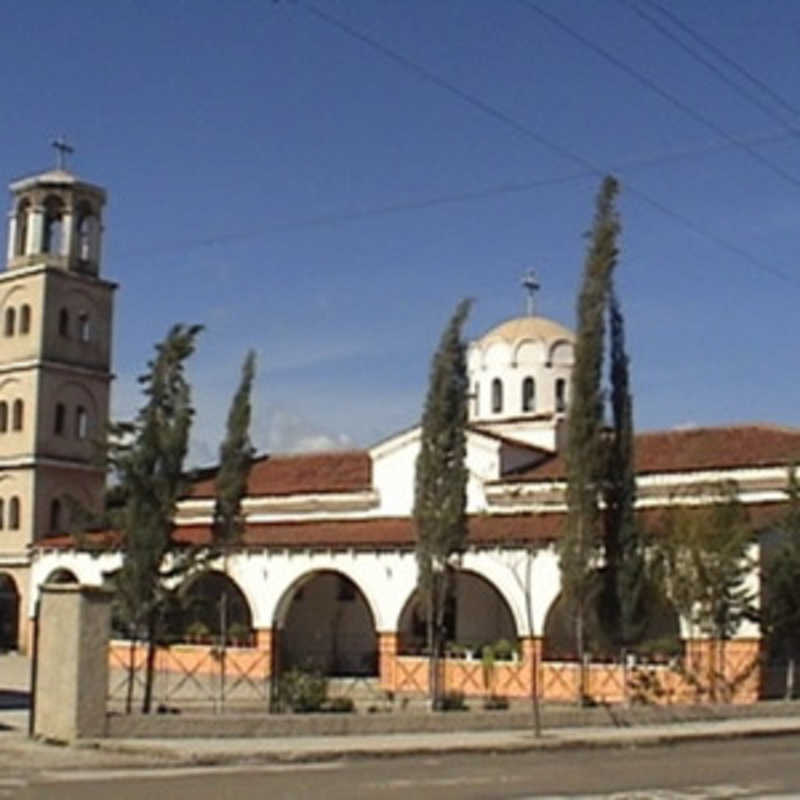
(661, 92)
(697, 56)
(528, 132)
(517, 187)
(724, 57)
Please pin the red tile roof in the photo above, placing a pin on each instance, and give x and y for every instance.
(305, 473)
(391, 532)
(694, 449)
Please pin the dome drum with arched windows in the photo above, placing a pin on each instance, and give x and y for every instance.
(55, 219)
(519, 375)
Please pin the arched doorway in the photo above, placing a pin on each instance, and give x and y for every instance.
(9, 613)
(477, 615)
(660, 633)
(210, 605)
(325, 625)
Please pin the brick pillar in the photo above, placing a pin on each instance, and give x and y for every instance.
(265, 642)
(387, 659)
(532, 647)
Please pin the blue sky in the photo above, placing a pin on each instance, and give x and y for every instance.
(324, 181)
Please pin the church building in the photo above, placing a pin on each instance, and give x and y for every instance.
(325, 574)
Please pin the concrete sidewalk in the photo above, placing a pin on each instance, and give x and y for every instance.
(327, 748)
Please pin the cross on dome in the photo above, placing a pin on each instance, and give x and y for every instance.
(531, 285)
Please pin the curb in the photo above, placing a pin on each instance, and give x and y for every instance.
(627, 739)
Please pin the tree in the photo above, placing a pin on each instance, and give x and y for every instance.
(781, 588)
(702, 554)
(235, 456)
(148, 461)
(624, 612)
(581, 544)
(441, 483)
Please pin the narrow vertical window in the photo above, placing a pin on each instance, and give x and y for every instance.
(528, 395)
(3, 416)
(63, 322)
(84, 329)
(11, 321)
(2, 514)
(477, 397)
(17, 415)
(25, 319)
(55, 516)
(497, 396)
(13, 514)
(561, 395)
(58, 421)
(81, 423)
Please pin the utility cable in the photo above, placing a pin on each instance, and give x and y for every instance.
(528, 132)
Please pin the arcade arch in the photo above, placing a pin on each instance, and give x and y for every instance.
(477, 614)
(324, 623)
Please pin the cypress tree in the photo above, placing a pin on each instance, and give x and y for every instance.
(624, 558)
(149, 465)
(235, 456)
(441, 483)
(780, 615)
(586, 464)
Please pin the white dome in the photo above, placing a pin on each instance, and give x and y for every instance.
(517, 329)
(519, 374)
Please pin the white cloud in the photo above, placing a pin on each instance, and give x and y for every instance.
(288, 432)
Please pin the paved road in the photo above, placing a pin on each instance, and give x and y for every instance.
(767, 767)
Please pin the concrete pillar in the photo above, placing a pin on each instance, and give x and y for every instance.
(72, 664)
(387, 659)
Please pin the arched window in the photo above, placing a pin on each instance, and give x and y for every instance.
(60, 419)
(11, 321)
(53, 225)
(81, 423)
(25, 319)
(2, 513)
(13, 514)
(23, 209)
(55, 516)
(528, 395)
(3, 416)
(17, 415)
(63, 322)
(497, 396)
(84, 328)
(561, 394)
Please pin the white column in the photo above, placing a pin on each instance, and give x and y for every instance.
(12, 237)
(35, 226)
(67, 233)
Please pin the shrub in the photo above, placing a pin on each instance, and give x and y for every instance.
(301, 692)
(453, 701)
(496, 702)
(339, 705)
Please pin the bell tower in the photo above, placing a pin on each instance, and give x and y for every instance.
(55, 359)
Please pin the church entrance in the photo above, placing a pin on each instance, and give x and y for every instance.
(327, 627)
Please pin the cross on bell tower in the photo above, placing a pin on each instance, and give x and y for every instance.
(531, 285)
(62, 151)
